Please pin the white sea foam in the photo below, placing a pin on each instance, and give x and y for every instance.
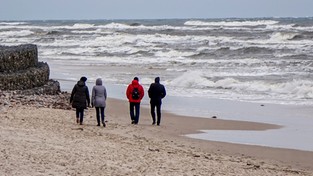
(82, 26)
(279, 36)
(12, 23)
(191, 79)
(16, 33)
(173, 53)
(249, 90)
(231, 23)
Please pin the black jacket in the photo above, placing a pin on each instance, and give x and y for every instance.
(156, 93)
(80, 95)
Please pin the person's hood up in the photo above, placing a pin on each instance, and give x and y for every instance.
(83, 79)
(157, 80)
(135, 82)
(81, 83)
(99, 82)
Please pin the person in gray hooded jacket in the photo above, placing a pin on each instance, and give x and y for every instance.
(98, 100)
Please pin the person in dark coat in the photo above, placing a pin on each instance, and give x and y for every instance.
(156, 93)
(134, 99)
(80, 99)
(98, 100)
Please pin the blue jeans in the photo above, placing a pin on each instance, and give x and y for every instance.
(134, 110)
(80, 114)
(98, 111)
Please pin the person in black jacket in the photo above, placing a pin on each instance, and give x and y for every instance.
(156, 93)
(80, 98)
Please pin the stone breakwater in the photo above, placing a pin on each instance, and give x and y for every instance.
(13, 99)
(20, 69)
(16, 58)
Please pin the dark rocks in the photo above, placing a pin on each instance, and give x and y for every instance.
(11, 99)
(52, 87)
(20, 69)
(15, 58)
(25, 79)
(25, 82)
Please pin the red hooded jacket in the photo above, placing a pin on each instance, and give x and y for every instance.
(130, 90)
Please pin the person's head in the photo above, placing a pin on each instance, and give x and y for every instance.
(84, 79)
(99, 81)
(157, 80)
(136, 78)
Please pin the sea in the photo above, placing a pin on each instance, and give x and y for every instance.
(225, 67)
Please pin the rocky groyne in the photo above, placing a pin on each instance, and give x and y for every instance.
(20, 69)
(12, 99)
(25, 81)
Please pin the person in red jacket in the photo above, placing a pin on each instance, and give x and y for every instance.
(134, 94)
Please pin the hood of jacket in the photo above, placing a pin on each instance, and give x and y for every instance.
(81, 83)
(135, 82)
(99, 82)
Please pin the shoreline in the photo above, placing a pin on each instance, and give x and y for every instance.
(177, 126)
(294, 120)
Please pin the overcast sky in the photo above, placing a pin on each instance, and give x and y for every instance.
(151, 9)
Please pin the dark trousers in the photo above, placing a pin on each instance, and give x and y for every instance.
(158, 109)
(98, 111)
(80, 114)
(134, 110)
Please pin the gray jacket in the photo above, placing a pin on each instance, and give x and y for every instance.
(99, 94)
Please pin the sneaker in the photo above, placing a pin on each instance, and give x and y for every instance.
(104, 125)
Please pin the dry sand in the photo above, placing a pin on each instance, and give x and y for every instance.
(45, 141)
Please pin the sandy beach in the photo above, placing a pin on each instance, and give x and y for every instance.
(47, 141)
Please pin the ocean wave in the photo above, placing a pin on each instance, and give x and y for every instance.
(283, 36)
(244, 50)
(289, 27)
(21, 33)
(174, 53)
(231, 23)
(83, 26)
(254, 50)
(225, 58)
(54, 33)
(117, 26)
(12, 23)
(294, 90)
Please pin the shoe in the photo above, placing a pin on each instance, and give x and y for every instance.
(81, 123)
(153, 123)
(104, 125)
(98, 124)
(133, 121)
(77, 120)
(158, 124)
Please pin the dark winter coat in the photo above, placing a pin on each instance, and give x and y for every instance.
(99, 94)
(156, 92)
(130, 89)
(80, 96)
